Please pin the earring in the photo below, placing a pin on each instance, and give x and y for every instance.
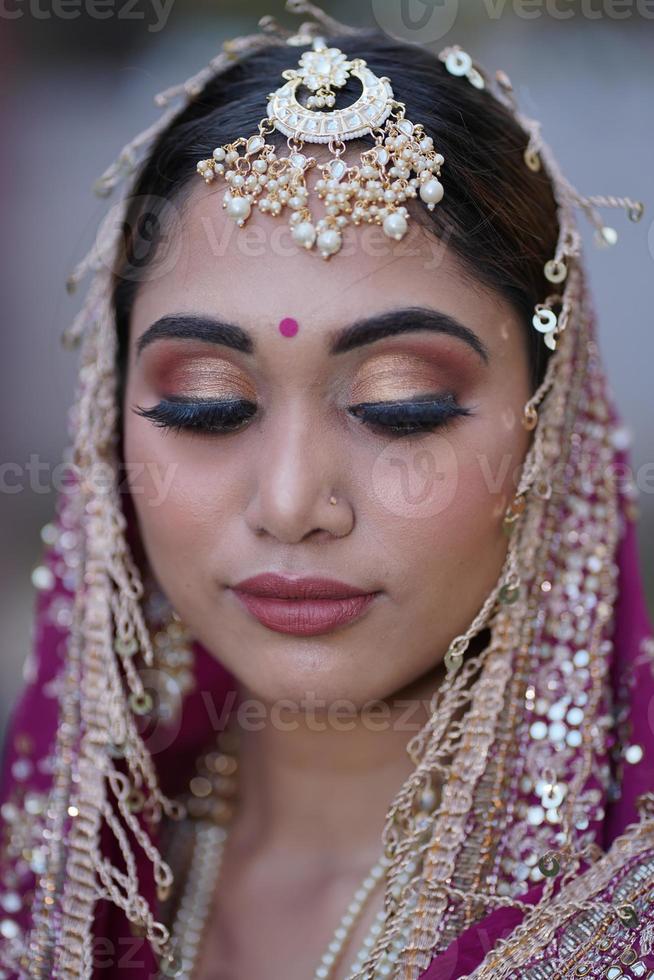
(333, 500)
(172, 675)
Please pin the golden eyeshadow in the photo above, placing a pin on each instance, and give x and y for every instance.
(389, 377)
(208, 377)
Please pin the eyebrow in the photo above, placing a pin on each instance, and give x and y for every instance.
(191, 326)
(405, 320)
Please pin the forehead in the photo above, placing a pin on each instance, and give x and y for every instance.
(257, 275)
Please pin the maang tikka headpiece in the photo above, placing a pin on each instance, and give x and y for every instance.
(403, 163)
(374, 191)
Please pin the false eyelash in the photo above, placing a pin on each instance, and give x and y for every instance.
(197, 416)
(399, 418)
(409, 417)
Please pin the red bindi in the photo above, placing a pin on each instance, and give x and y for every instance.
(288, 327)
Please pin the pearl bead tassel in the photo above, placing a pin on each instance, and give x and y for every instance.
(375, 192)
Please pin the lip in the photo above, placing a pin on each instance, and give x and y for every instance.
(304, 606)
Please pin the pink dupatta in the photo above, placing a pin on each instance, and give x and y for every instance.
(26, 774)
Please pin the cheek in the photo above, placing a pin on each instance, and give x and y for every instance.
(438, 506)
(184, 492)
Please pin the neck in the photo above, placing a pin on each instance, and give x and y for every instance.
(322, 783)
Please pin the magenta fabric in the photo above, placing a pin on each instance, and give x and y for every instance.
(119, 953)
(632, 626)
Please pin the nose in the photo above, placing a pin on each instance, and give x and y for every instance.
(299, 489)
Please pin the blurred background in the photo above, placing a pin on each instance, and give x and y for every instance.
(79, 77)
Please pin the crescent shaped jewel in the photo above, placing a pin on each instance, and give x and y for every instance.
(320, 70)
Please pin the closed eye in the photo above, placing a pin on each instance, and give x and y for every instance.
(410, 416)
(397, 418)
(192, 414)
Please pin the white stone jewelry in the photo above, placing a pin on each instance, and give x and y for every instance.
(402, 164)
(343, 931)
(211, 801)
(195, 903)
(193, 911)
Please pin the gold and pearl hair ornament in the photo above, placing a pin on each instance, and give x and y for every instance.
(402, 164)
(551, 316)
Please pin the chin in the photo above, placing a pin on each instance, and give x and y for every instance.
(319, 674)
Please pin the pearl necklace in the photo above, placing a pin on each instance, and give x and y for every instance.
(216, 773)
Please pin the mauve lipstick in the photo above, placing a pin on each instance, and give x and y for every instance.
(301, 606)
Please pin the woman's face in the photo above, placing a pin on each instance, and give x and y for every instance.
(383, 379)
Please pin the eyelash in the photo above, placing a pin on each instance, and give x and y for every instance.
(395, 418)
(410, 417)
(211, 417)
